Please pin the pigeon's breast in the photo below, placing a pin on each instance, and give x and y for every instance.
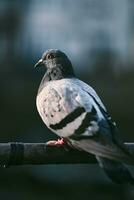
(60, 107)
(49, 105)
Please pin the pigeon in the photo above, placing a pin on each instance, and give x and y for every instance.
(72, 109)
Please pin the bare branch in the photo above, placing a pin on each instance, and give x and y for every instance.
(40, 153)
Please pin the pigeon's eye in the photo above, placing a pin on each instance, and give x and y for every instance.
(50, 56)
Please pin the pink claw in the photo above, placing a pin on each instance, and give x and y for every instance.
(58, 142)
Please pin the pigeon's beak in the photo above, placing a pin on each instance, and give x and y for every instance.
(39, 63)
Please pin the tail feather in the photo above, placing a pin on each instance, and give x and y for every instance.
(110, 158)
(109, 151)
(116, 171)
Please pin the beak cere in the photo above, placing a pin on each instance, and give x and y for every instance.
(39, 63)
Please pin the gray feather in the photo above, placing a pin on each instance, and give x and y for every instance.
(105, 150)
(116, 171)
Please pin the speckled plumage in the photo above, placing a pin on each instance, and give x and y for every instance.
(73, 110)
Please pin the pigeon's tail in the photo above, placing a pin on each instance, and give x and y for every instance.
(109, 151)
(116, 171)
(110, 158)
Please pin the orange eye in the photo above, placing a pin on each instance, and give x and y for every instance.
(49, 56)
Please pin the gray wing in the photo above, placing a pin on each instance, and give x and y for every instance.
(88, 89)
(105, 141)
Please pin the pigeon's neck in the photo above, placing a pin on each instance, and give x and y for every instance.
(56, 73)
(59, 70)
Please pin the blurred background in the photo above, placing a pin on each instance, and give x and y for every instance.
(98, 36)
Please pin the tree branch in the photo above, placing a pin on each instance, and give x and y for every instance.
(40, 153)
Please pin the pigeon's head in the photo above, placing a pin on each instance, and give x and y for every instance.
(56, 60)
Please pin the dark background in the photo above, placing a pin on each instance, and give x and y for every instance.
(98, 36)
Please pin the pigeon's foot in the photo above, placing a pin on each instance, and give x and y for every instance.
(59, 142)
